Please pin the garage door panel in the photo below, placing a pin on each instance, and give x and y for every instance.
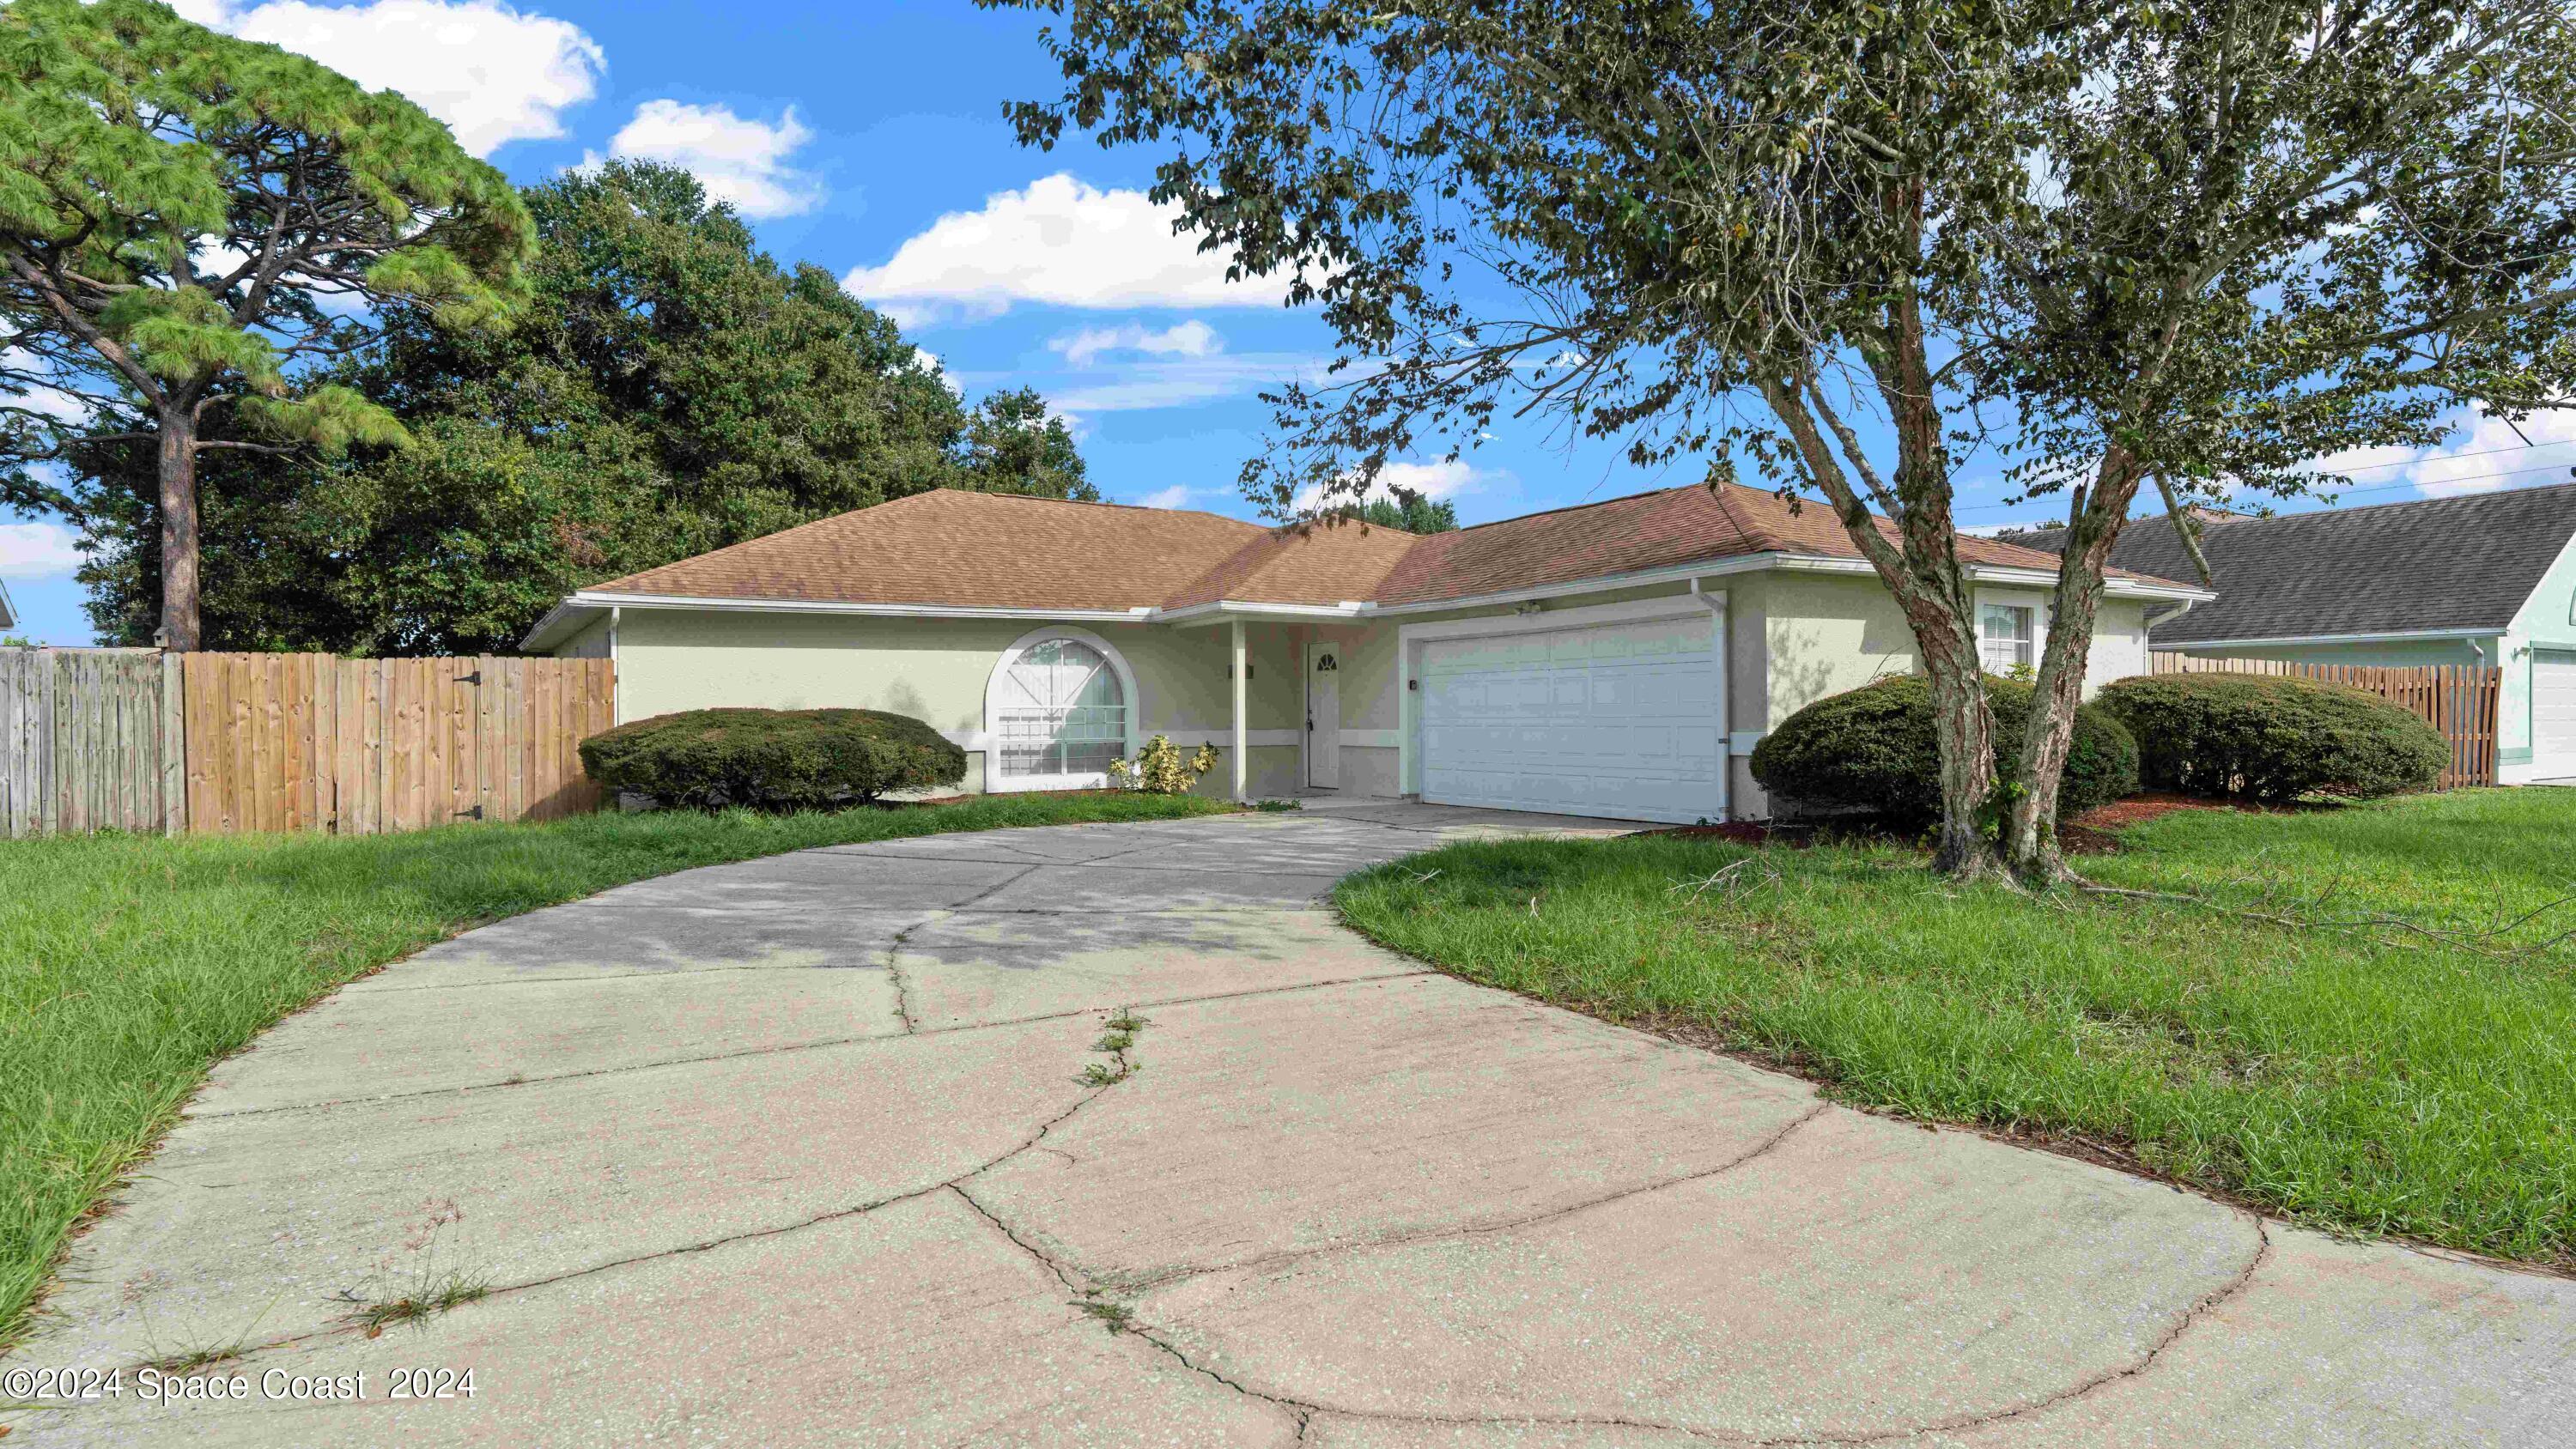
(2553, 713)
(1616, 720)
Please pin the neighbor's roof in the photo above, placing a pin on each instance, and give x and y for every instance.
(2462, 563)
(8, 611)
(948, 549)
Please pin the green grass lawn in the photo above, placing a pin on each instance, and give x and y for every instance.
(2370, 1080)
(129, 965)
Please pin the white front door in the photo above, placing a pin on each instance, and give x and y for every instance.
(1618, 720)
(1324, 716)
(2553, 714)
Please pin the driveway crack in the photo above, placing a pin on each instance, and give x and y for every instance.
(1168, 1276)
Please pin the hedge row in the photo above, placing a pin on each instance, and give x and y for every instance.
(2246, 736)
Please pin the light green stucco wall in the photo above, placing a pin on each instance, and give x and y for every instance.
(938, 670)
(1791, 639)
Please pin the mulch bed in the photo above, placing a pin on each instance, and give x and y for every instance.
(2095, 832)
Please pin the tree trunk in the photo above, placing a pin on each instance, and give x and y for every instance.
(179, 530)
(1963, 730)
(2030, 845)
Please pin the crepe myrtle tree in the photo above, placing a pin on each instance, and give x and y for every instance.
(2263, 233)
(1847, 241)
(185, 217)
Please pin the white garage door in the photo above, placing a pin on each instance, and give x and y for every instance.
(1618, 720)
(2553, 714)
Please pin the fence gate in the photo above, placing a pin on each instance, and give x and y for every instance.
(372, 746)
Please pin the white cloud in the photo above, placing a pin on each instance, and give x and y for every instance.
(2484, 454)
(1176, 496)
(1059, 242)
(1185, 339)
(37, 550)
(492, 73)
(1172, 384)
(739, 159)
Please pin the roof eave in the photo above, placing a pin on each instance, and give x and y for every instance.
(2475, 631)
(550, 631)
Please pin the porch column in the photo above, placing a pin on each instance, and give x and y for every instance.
(1242, 738)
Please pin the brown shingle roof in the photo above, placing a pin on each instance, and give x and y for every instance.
(996, 550)
(989, 550)
(1634, 534)
(1339, 563)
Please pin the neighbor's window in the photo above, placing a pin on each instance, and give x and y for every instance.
(2010, 637)
(1063, 711)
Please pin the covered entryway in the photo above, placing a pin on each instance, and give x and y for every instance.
(1622, 718)
(2553, 712)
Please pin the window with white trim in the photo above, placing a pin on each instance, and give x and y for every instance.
(1060, 710)
(2008, 637)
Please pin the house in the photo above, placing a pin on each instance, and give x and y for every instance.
(2476, 579)
(8, 611)
(1616, 659)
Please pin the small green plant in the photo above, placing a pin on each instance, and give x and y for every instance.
(417, 1290)
(1117, 1038)
(1159, 769)
(194, 1359)
(1113, 1316)
(1275, 806)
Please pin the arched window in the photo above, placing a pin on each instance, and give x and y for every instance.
(1060, 708)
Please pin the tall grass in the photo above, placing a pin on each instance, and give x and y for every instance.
(129, 965)
(2351, 1072)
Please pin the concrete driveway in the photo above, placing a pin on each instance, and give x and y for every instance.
(822, 1149)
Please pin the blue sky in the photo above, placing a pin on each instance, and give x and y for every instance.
(868, 138)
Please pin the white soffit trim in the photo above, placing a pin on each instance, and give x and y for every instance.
(549, 628)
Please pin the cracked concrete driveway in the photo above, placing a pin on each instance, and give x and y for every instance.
(803, 1151)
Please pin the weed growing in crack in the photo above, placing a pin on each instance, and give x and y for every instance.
(1112, 1315)
(194, 1359)
(1117, 1038)
(407, 1293)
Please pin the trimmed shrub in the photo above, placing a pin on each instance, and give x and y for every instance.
(2267, 737)
(1872, 749)
(772, 759)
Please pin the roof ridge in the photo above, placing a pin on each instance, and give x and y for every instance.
(2472, 496)
(1552, 512)
(1079, 503)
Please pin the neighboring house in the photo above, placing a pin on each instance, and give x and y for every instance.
(2480, 579)
(8, 611)
(1616, 659)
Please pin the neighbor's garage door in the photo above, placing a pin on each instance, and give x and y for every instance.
(2553, 714)
(1617, 720)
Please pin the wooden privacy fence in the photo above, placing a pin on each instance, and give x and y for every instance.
(226, 743)
(86, 742)
(2457, 699)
